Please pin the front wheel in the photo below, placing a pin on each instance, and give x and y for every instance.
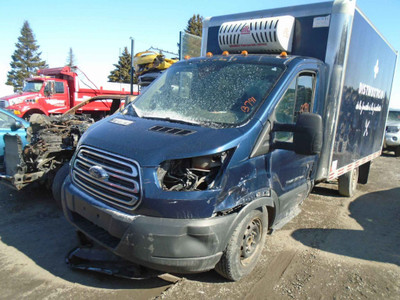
(245, 246)
(348, 183)
(27, 116)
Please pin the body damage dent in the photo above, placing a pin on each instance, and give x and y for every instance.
(242, 184)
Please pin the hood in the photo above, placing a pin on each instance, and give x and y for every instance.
(145, 140)
(18, 96)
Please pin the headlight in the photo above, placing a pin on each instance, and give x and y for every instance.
(192, 174)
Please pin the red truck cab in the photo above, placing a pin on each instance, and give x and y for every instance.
(54, 91)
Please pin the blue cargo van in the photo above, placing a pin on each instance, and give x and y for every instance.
(222, 149)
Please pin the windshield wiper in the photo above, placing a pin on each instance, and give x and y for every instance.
(214, 124)
(172, 120)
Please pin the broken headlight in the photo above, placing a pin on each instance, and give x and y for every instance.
(192, 174)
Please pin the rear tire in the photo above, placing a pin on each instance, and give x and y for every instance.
(245, 246)
(348, 183)
(397, 151)
(61, 174)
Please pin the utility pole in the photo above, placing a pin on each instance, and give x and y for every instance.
(131, 65)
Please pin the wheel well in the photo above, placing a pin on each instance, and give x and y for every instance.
(31, 112)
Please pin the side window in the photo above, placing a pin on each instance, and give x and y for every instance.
(59, 88)
(284, 112)
(47, 88)
(305, 94)
(298, 98)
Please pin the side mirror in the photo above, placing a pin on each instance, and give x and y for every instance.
(49, 89)
(307, 138)
(16, 125)
(307, 134)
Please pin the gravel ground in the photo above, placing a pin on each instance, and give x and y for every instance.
(335, 248)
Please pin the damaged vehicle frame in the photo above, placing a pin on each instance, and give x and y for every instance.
(51, 143)
(221, 149)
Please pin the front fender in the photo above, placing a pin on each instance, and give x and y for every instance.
(21, 109)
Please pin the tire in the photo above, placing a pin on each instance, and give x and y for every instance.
(61, 174)
(397, 151)
(245, 246)
(348, 183)
(27, 116)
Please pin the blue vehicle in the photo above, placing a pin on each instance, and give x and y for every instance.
(222, 149)
(13, 125)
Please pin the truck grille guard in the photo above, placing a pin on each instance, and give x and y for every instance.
(120, 186)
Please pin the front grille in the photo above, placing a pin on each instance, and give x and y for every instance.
(122, 186)
(392, 129)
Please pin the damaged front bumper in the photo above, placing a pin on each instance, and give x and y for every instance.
(97, 259)
(165, 244)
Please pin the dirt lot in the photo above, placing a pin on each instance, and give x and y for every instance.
(336, 248)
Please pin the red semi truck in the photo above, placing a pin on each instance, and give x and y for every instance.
(54, 91)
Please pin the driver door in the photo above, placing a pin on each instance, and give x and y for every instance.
(291, 172)
(56, 97)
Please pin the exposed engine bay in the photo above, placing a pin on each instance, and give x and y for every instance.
(51, 143)
(191, 174)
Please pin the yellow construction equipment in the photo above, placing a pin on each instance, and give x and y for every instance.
(147, 61)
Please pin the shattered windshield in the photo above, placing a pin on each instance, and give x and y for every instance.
(207, 92)
(33, 86)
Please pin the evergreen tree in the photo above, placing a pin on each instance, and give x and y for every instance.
(122, 70)
(71, 59)
(25, 60)
(195, 25)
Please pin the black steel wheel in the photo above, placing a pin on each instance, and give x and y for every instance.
(245, 246)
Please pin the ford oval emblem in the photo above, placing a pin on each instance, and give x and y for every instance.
(98, 173)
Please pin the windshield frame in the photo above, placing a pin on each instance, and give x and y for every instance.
(255, 62)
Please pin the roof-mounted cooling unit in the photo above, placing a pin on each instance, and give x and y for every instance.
(262, 35)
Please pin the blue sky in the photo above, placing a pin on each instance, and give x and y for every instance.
(98, 30)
